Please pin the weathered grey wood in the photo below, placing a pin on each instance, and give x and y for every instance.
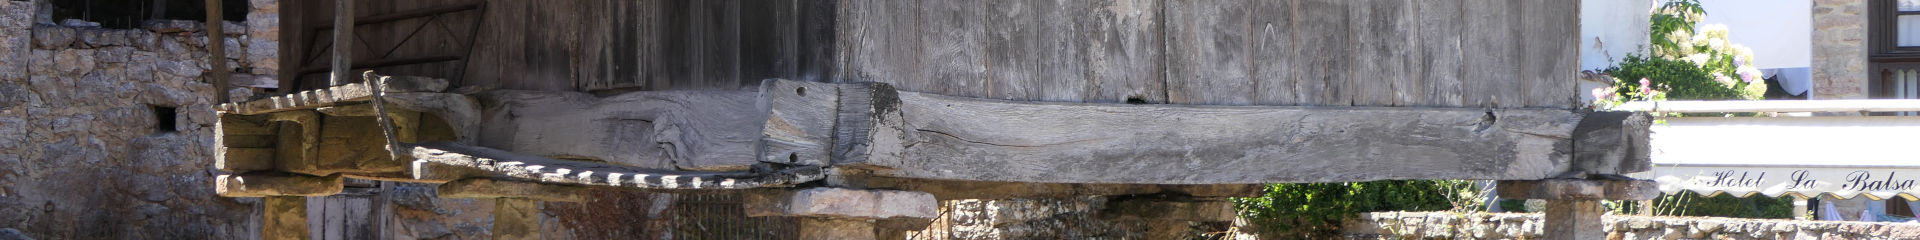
(843, 203)
(952, 189)
(1034, 50)
(1489, 47)
(1439, 62)
(1549, 55)
(1276, 68)
(694, 130)
(1320, 43)
(1207, 52)
(955, 48)
(1379, 51)
(943, 137)
(881, 40)
(285, 218)
(1123, 42)
(343, 42)
(1604, 137)
(480, 162)
(799, 122)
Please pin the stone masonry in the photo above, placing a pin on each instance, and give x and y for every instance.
(1840, 49)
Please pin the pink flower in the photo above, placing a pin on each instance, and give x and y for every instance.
(1644, 83)
(1603, 93)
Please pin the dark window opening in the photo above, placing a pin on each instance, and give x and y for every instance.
(125, 14)
(163, 119)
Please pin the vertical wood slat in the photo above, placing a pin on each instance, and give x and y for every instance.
(1439, 62)
(884, 40)
(1488, 46)
(1033, 50)
(1123, 48)
(955, 47)
(1207, 52)
(1379, 54)
(1549, 56)
(1277, 69)
(342, 43)
(1319, 46)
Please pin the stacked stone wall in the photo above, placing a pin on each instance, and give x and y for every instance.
(1415, 225)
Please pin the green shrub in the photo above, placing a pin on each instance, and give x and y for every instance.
(1316, 210)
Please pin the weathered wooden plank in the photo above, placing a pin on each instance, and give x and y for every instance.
(1492, 63)
(955, 49)
(1378, 52)
(1548, 53)
(1033, 50)
(1123, 42)
(818, 40)
(768, 38)
(1439, 60)
(1320, 42)
(1275, 67)
(694, 130)
(880, 41)
(1207, 52)
(953, 138)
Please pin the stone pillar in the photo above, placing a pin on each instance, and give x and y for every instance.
(1839, 61)
(516, 218)
(1574, 219)
(286, 218)
(1573, 205)
(844, 213)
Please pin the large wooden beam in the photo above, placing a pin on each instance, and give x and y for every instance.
(216, 50)
(918, 135)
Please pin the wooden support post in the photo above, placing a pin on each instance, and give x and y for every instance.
(1574, 219)
(516, 218)
(286, 218)
(1573, 205)
(217, 51)
(342, 43)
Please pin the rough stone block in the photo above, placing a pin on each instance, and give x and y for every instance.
(1184, 210)
(52, 37)
(264, 185)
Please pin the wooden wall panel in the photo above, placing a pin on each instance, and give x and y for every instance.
(1207, 52)
(1490, 50)
(1439, 61)
(1468, 53)
(1123, 46)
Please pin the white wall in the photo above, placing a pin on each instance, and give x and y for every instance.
(1778, 31)
(1609, 29)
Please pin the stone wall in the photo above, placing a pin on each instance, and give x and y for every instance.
(1398, 225)
(1840, 49)
(107, 133)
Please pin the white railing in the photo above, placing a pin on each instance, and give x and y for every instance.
(1862, 105)
(1904, 84)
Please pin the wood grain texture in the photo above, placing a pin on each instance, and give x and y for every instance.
(1035, 50)
(1276, 67)
(953, 138)
(1549, 53)
(1490, 50)
(448, 161)
(1439, 62)
(1207, 52)
(1320, 47)
(1378, 53)
(955, 48)
(693, 130)
(1123, 47)
(880, 41)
